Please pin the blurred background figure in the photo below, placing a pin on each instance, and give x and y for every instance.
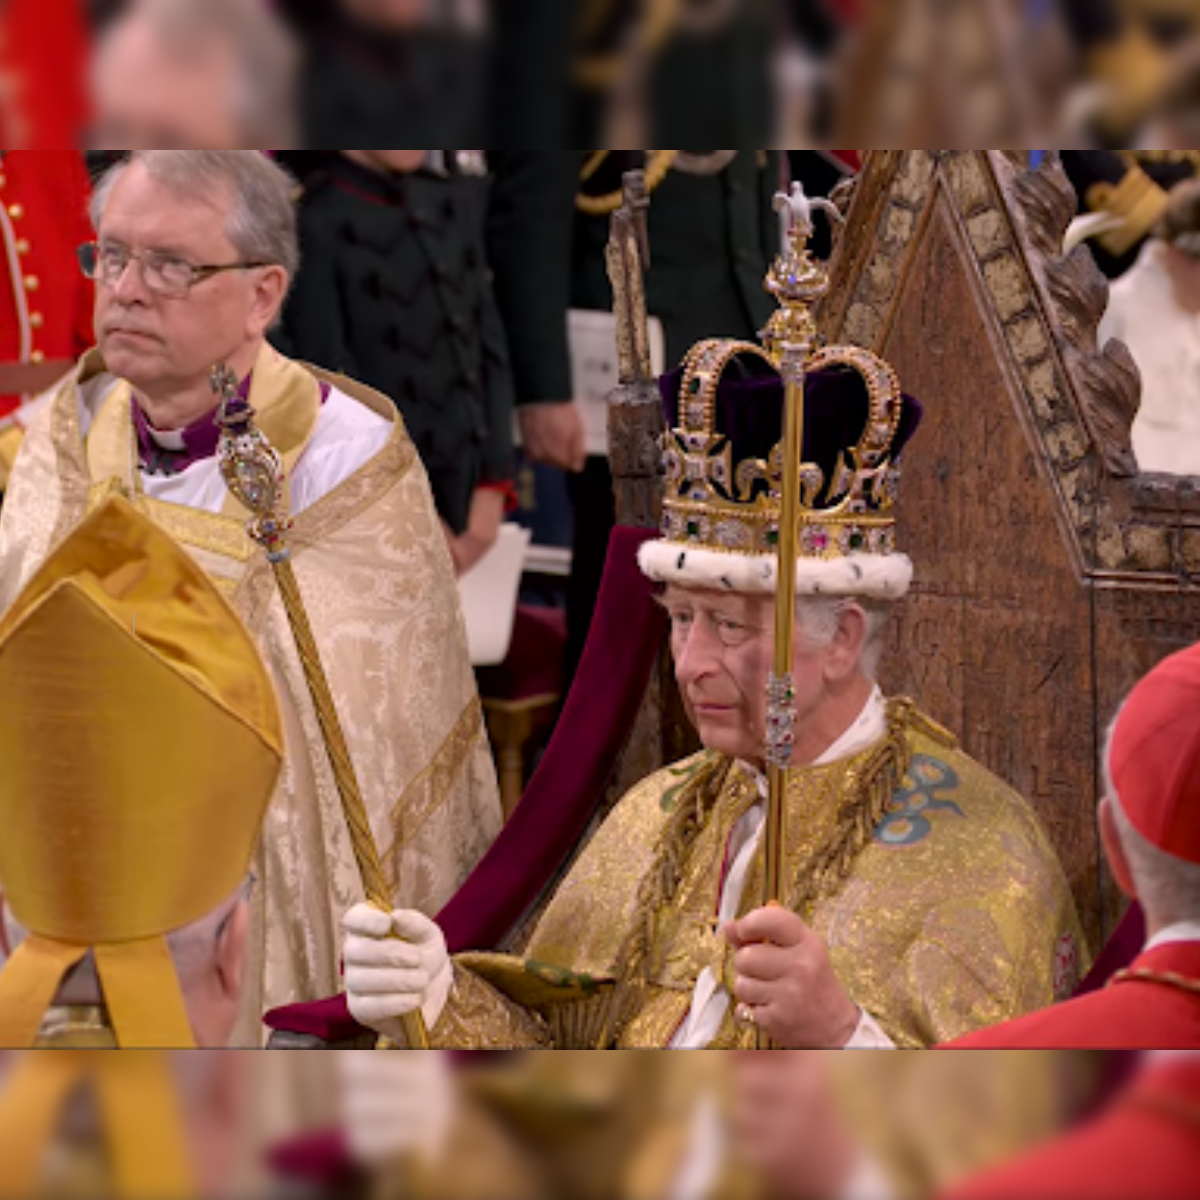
(199, 74)
(948, 72)
(43, 89)
(1125, 192)
(380, 71)
(1128, 52)
(1154, 308)
(394, 289)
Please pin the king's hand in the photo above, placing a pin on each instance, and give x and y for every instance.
(395, 963)
(786, 983)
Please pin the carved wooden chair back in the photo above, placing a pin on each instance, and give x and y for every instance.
(1051, 574)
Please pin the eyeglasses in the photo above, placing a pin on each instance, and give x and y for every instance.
(164, 274)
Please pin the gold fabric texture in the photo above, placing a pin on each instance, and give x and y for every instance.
(956, 914)
(379, 589)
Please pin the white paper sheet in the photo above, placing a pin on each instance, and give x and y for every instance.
(488, 592)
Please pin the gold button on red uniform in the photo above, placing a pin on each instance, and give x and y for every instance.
(45, 302)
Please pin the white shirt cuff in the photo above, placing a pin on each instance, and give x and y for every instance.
(869, 1036)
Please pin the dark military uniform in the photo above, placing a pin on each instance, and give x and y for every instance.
(712, 239)
(1131, 184)
(394, 290)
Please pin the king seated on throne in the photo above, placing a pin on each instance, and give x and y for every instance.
(919, 897)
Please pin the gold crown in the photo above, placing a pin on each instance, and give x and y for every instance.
(715, 505)
(141, 740)
(712, 503)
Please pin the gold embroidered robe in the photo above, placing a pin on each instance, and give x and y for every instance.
(377, 581)
(955, 914)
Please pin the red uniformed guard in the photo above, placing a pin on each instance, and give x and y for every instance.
(45, 304)
(1150, 825)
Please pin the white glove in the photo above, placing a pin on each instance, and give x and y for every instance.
(388, 978)
(396, 1105)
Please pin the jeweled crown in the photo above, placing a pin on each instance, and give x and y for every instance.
(719, 502)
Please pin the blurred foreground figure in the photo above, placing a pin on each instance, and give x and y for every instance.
(217, 74)
(919, 894)
(893, 1127)
(124, 892)
(1150, 827)
(146, 1126)
(1145, 1144)
(1155, 310)
(194, 255)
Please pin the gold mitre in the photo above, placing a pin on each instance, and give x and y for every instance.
(723, 458)
(141, 741)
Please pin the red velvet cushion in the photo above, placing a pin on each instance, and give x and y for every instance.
(534, 663)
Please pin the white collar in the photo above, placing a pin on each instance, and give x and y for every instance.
(1183, 931)
(866, 729)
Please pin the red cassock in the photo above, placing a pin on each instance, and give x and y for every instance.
(1145, 1146)
(45, 303)
(1155, 1004)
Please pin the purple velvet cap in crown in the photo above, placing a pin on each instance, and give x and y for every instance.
(723, 462)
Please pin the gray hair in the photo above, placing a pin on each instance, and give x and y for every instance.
(262, 218)
(1167, 887)
(264, 100)
(818, 618)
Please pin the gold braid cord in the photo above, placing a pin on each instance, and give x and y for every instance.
(820, 875)
(657, 170)
(253, 472)
(1167, 978)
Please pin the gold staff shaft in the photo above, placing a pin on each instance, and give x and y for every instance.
(782, 685)
(796, 282)
(781, 713)
(253, 471)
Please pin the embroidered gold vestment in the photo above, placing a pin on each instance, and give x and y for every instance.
(949, 912)
(379, 589)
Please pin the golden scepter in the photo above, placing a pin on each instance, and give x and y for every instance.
(796, 282)
(253, 472)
